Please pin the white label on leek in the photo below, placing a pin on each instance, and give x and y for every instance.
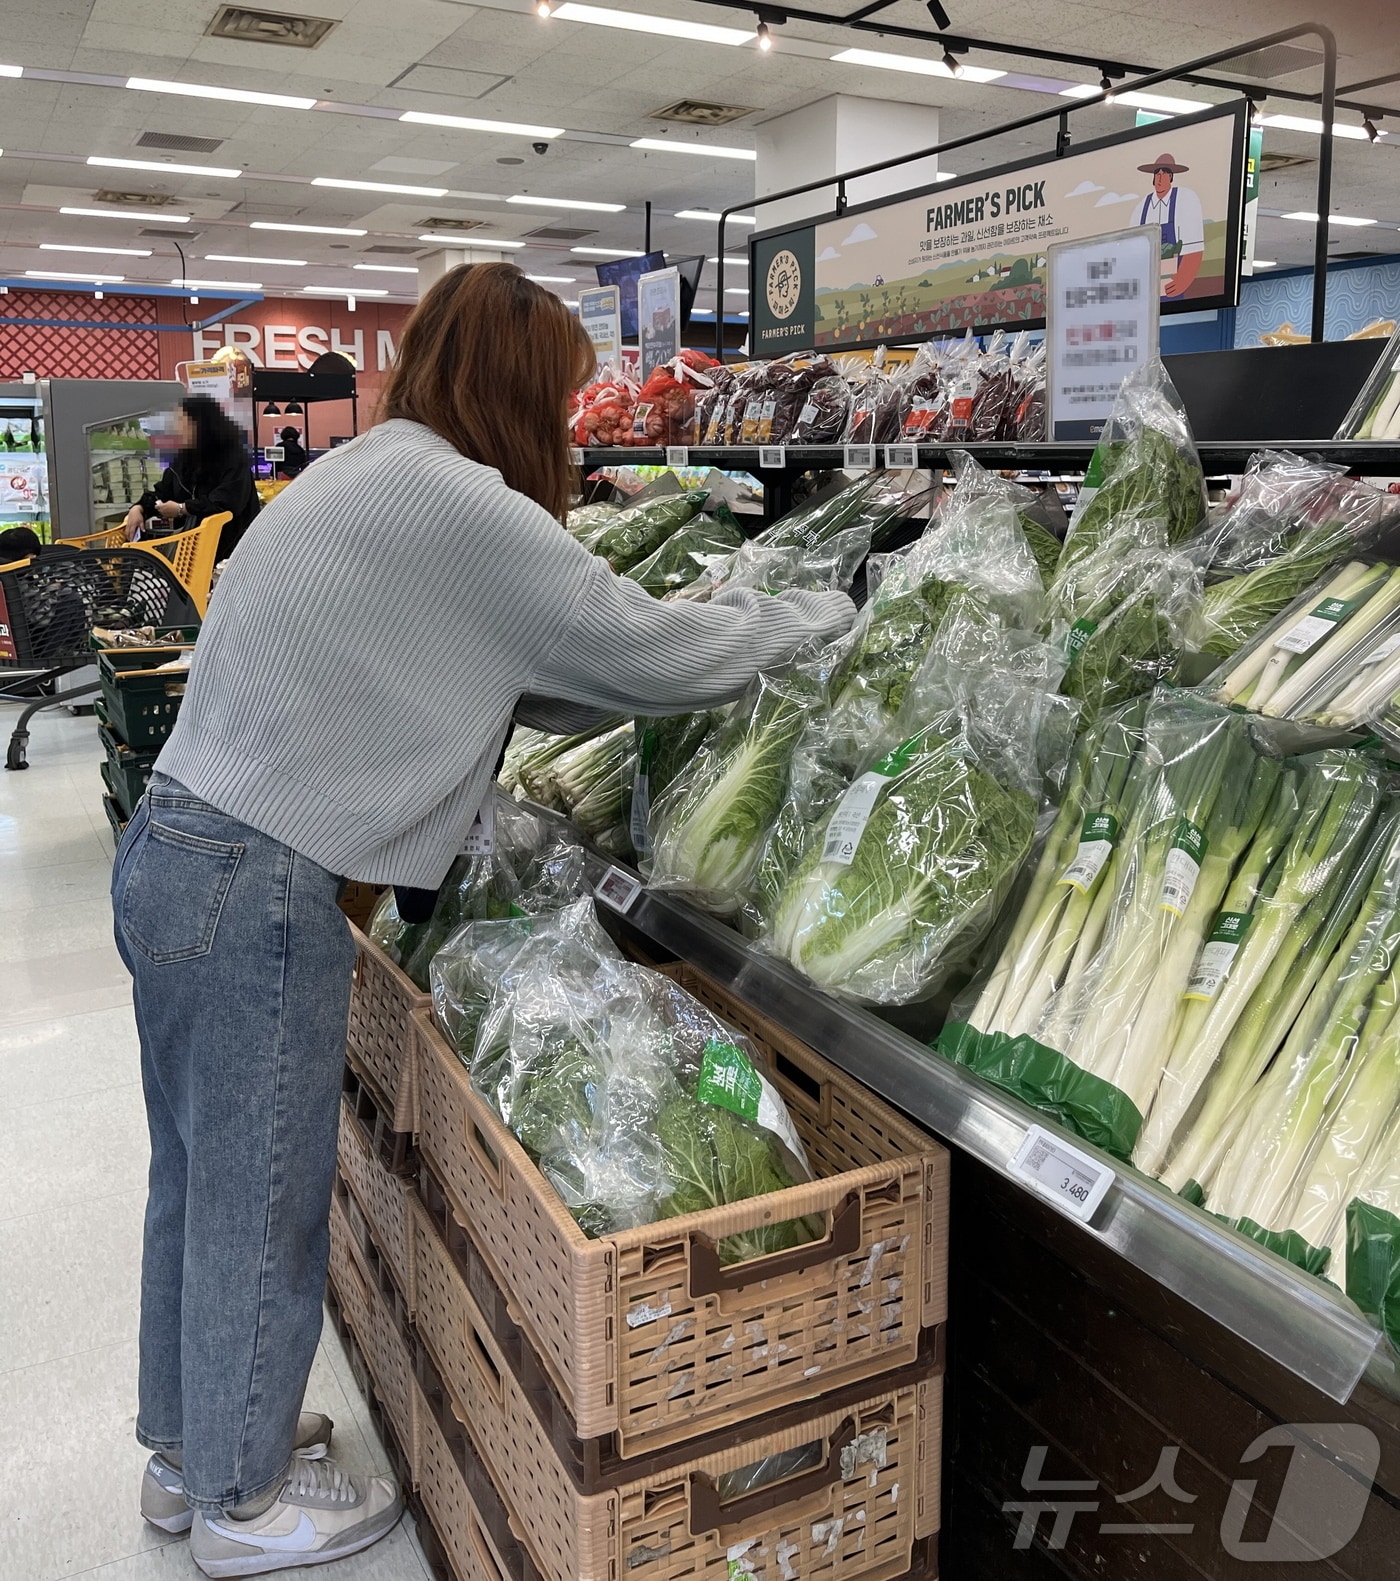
(481, 837)
(1313, 627)
(1382, 651)
(1095, 847)
(850, 818)
(1183, 866)
(1218, 955)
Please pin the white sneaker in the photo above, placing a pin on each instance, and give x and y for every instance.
(163, 1486)
(321, 1514)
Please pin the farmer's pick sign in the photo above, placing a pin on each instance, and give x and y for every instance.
(972, 254)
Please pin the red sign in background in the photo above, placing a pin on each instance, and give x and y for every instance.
(288, 333)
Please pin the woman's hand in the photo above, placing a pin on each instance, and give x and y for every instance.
(133, 523)
(170, 509)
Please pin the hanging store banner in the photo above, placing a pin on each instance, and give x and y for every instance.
(600, 313)
(972, 254)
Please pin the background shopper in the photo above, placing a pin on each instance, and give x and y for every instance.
(210, 474)
(343, 716)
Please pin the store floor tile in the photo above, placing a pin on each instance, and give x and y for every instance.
(72, 1191)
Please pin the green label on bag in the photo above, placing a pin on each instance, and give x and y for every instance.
(1316, 624)
(1079, 634)
(1183, 866)
(1218, 955)
(728, 1079)
(1096, 840)
(1093, 478)
(897, 761)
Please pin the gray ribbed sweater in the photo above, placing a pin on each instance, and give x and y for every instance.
(371, 638)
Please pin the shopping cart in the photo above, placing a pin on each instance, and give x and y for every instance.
(48, 608)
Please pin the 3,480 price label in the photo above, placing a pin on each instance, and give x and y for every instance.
(1056, 1169)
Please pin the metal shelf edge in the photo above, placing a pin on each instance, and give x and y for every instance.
(1300, 1322)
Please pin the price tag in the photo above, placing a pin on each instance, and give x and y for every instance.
(1057, 1170)
(677, 456)
(900, 458)
(860, 458)
(1379, 654)
(618, 890)
(481, 837)
(774, 456)
(576, 455)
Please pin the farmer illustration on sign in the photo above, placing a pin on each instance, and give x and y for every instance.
(1178, 211)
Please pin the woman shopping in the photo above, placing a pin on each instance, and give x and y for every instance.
(210, 475)
(344, 712)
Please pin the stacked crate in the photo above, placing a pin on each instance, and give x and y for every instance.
(135, 714)
(633, 1404)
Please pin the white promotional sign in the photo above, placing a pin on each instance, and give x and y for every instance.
(1102, 322)
(600, 313)
(658, 317)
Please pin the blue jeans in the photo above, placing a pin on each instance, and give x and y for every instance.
(240, 962)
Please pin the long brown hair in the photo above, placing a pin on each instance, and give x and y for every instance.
(488, 361)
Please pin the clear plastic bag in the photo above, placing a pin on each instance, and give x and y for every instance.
(875, 406)
(922, 397)
(1368, 1244)
(638, 530)
(903, 879)
(689, 553)
(825, 413)
(1375, 413)
(1289, 522)
(1124, 612)
(1144, 466)
(635, 1100)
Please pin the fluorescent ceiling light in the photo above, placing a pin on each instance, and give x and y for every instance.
(466, 239)
(378, 186)
(566, 203)
(470, 123)
(702, 312)
(607, 252)
(640, 22)
(1266, 263)
(293, 263)
(1138, 101)
(741, 315)
(387, 268)
(926, 68)
(567, 303)
(1303, 123)
(314, 230)
(128, 214)
(553, 279)
(705, 214)
(11, 71)
(107, 252)
(218, 285)
(199, 90)
(663, 145)
(736, 290)
(736, 262)
(339, 290)
(169, 170)
(82, 279)
(1332, 219)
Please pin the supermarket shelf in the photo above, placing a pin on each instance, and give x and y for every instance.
(1301, 1323)
(1372, 457)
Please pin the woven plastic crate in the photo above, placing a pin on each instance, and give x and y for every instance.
(864, 1496)
(380, 1039)
(455, 1491)
(369, 1312)
(644, 1334)
(141, 700)
(383, 1198)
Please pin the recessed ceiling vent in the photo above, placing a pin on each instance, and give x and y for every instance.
(179, 142)
(135, 200)
(399, 252)
(1278, 60)
(558, 233)
(698, 112)
(269, 27)
(439, 223)
(168, 233)
(1271, 164)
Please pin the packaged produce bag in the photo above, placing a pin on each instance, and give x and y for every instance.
(639, 529)
(1144, 467)
(1368, 1254)
(666, 403)
(605, 409)
(689, 553)
(1375, 414)
(636, 1101)
(1081, 1012)
(903, 878)
(1124, 612)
